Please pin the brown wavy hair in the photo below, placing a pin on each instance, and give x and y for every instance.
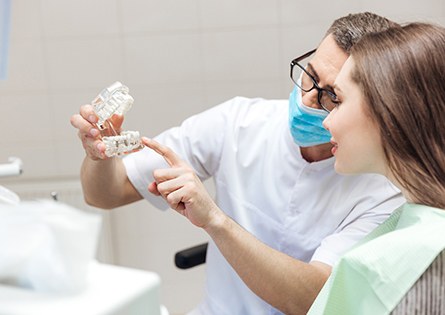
(401, 72)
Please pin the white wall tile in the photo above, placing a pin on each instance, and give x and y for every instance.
(26, 19)
(234, 13)
(27, 70)
(241, 55)
(403, 11)
(26, 119)
(323, 13)
(80, 18)
(159, 15)
(69, 155)
(83, 63)
(160, 59)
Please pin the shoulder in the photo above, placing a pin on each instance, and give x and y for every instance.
(245, 106)
(256, 111)
(240, 112)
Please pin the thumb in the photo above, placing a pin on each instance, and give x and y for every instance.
(153, 188)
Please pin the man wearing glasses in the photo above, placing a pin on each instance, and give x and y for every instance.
(279, 186)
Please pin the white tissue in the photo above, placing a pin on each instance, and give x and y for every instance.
(47, 246)
(8, 197)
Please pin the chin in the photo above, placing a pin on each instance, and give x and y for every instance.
(343, 169)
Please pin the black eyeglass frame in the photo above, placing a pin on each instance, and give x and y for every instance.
(315, 85)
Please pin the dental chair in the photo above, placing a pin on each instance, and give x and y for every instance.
(426, 295)
(191, 257)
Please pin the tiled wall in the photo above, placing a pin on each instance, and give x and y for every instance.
(178, 58)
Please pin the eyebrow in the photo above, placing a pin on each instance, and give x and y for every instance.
(316, 77)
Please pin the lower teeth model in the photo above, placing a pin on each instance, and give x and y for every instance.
(126, 142)
(116, 100)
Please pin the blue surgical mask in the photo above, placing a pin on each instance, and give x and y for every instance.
(305, 122)
(5, 10)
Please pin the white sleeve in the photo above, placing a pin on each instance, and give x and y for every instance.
(198, 140)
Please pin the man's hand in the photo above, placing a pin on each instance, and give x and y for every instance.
(89, 133)
(181, 188)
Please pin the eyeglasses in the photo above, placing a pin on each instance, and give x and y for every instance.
(326, 98)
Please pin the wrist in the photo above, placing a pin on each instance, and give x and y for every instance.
(218, 222)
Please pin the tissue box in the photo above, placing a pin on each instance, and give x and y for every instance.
(47, 246)
(111, 290)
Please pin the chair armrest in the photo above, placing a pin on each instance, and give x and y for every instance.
(191, 257)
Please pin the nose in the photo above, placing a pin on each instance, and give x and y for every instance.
(327, 120)
(310, 99)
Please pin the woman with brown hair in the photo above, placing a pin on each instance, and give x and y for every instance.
(389, 120)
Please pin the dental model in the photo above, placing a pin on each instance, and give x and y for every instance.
(116, 100)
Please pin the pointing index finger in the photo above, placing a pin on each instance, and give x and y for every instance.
(169, 156)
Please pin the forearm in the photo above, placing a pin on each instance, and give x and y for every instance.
(105, 183)
(286, 283)
(282, 281)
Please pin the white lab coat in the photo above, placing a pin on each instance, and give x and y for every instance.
(303, 209)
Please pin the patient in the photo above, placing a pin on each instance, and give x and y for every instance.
(389, 120)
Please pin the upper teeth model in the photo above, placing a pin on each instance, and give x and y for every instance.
(116, 100)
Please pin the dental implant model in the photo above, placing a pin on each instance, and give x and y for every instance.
(115, 100)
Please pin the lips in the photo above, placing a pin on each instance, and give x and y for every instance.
(334, 148)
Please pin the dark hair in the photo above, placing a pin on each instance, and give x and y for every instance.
(348, 30)
(401, 72)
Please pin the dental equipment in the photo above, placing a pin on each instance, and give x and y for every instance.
(13, 168)
(116, 100)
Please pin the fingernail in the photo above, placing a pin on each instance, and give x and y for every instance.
(94, 132)
(92, 119)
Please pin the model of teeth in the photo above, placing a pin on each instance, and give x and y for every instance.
(116, 100)
(126, 142)
(112, 100)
